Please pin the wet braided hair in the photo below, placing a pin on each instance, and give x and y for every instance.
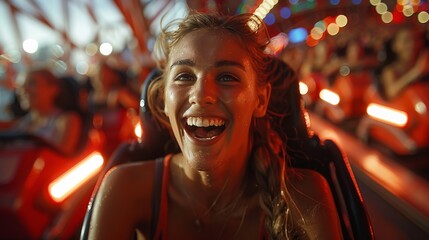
(268, 156)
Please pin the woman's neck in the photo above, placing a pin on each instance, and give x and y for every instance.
(405, 59)
(212, 190)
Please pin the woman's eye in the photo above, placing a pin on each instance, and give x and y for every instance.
(228, 78)
(185, 77)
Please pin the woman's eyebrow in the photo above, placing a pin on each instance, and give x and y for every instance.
(222, 63)
(229, 63)
(186, 62)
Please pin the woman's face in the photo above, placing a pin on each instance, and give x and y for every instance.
(210, 98)
(39, 92)
(404, 44)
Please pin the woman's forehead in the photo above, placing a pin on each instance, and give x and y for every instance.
(210, 45)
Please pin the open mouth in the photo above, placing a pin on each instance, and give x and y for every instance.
(204, 128)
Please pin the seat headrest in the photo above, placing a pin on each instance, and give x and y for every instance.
(144, 107)
(285, 106)
(68, 98)
(155, 136)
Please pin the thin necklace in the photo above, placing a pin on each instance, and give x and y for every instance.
(197, 221)
(227, 211)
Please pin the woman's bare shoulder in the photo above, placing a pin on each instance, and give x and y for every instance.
(312, 198)
(131, 176)
(124, 197)
(308, 183)
(129, 184)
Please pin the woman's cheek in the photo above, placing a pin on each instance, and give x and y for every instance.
(246, 98)
(172, 98)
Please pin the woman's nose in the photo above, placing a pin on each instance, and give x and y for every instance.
(203, 92)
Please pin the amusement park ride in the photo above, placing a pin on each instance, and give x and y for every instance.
(44, 194)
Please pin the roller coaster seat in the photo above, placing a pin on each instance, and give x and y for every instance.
(30, 165)
(402, 137)
(323, 157)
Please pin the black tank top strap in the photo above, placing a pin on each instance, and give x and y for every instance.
(156, 194)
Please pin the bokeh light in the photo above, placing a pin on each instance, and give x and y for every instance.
(297, 35)
(387, 17)
(333, 29)
(423, 17)
(321, 25)
(106, 49)
(316, 33)
(30, 45)
(82, 68)
(91, 49)
(341, 20)
(374, 2)
(408, 10)
(334, 2)
(285, 12)
(381, 8)
(270, 19)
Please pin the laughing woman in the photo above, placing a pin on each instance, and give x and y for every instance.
(229, 180)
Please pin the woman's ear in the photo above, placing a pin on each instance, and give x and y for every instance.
(264, 94)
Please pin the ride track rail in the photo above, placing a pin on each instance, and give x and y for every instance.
(398, 185)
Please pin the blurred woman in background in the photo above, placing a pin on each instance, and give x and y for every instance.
(45, 118)
(404, 63)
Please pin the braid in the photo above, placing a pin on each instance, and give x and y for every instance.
(268, 165)
(281, 130)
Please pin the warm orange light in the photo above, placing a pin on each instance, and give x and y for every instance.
(333, 29)
(387, 115)
(316, 33)
(329, 96)
(138, 131)
(311, 42)
(383, 172)
(303, 88)
(63, 186)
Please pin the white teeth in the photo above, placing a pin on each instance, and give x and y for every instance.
(199, 122)
(204, 122)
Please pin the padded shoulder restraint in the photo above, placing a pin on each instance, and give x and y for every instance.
(156, 194)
